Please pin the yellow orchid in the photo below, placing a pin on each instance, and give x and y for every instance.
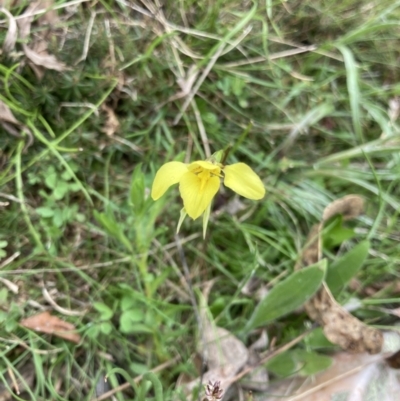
(199, 182)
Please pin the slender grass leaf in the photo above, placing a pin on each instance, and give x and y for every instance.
(380, 147)
(342, 270)
(288, 295)
(353, 90)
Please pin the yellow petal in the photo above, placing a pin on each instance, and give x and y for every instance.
(196, 197)
(243, 180)
(205, 165)
(168, 174)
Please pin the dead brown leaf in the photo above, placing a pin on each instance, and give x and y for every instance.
(340, 327)
(394, 360)
(44, 322)
(112, 124)
(7, 115)
(39, 56)
(257, 379)
(37, 52)
(223, 353)
(349, 207)
(12, 32)
(50, 17)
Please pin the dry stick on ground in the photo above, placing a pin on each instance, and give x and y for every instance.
(189, 99)
(88, 34)
(56, 7)
(203, 76)
(58, 308)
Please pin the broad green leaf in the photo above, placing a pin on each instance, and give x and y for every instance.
(316, 340)
(128, 303)
(3, 316)
(58, 218)
(106, 312)
(51, 180)
(299, 361)
(288, 295)
(130, 320)
(334, 233)
(311, 363)
(45, 211)
(106, 327)
(10, 324)
(3, 243)
(345, 268)
(136, 328)
(282, 365)
(66, 175)
(60, 190)
(93, 331)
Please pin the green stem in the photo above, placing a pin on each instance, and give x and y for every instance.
(20, 196)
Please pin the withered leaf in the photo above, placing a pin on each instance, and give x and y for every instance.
(257, 379)
(223, 353)
(44, 322)
(43, 58)
(37, 53)
(6, 114)
(349, 207)
(351, 377)
(111, 125)
(340, 327)
(12, 32)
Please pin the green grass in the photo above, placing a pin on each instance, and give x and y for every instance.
(300, 89)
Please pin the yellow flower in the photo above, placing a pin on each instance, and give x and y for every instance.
(200, 181)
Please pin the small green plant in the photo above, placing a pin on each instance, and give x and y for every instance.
(57, 208)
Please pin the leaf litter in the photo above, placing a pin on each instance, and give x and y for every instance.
(369, 369)
(352, 377)
(44, 322)
(223, 353)
(227, 359)
(37, 51)
(12, 32)
(340, 327)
